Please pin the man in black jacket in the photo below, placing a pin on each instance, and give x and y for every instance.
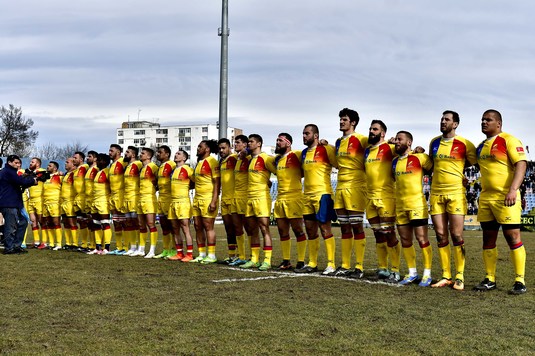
(11, 187)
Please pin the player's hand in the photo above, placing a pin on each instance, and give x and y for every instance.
(324, 142)
(419, 149)
(212, 207)
(391, 141)
(510, 198)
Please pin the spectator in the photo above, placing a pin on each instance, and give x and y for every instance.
(11, 187)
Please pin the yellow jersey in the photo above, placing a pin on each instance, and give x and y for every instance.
(67, 187)
(131, 179)
(350, 158)
(317, 164)
(180, 180)
(79, 179)
(241, 171)
(147, 180)
(450, 156)
(259, 172)
(52, 189)
(408, 171)
(116, 175)
(226, 168)
(289, 173)
(90, 181)
(378, 167)
(164, 179)
(101, 185)
(206, 170)
(36, 191)
(496, 157)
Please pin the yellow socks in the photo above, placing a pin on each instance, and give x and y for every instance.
(347, 249)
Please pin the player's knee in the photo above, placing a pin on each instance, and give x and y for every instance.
(356, 219)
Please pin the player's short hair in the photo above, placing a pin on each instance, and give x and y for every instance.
(257, 138)
(114, 145)
(184, 153)
(495, 112)
(166, 149)
(104, 157)
(135, 149)
(37, 159)
(241, 138)
(211, 144)
(380, 123)
(223, 140)
(92, 153)
(287, 136)
(81, 154)
(315, 129)
(455, 115)
(149, 150)
(55, 164)
(352, 114)
(406, 133)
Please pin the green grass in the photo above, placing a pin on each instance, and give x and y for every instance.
(56, 302)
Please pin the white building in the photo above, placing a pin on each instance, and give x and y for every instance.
(186, 137)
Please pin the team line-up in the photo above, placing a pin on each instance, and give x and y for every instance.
(383, 179)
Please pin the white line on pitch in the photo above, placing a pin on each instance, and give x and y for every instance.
(295, 275)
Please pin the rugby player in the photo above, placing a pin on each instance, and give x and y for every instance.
(451, 154)
(51, 207)
(205, 202)
(411, 207)
(148, 204)
(318, 208)
(131, 197)
(35, 204)
(79, 200)
(89, 179)
(180, 210)
(100, 211)
(259, 203)
(502, 161)
(239, 202)
(163, 155)
(227, 164)
(350, 196)
(116, 176)
(380, 209)
(288, 210)
(68, 214)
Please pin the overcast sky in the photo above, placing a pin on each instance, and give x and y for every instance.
(80, 68)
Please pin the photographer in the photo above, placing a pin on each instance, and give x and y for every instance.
(11, 187)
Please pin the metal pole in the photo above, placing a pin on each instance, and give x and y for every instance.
(223, 79)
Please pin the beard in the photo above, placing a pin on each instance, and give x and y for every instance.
(279, 150)
(373, 139)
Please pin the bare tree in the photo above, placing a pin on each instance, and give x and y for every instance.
(51, 151)
(16, 136)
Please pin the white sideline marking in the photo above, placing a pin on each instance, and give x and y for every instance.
(294, 275)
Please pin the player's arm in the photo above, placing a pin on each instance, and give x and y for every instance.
(518, 178)
(216, 182)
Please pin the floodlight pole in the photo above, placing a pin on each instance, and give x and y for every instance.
(223, 78)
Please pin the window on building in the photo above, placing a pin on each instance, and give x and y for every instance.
(137, 141)
(161, 131)
(161, 140)
(205, 137)
(120, 133)
(139, 132)
(205, 129)
(120, 142)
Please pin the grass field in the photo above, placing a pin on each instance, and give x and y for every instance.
(56, 302)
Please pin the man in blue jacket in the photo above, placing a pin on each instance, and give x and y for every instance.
(11, 187)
